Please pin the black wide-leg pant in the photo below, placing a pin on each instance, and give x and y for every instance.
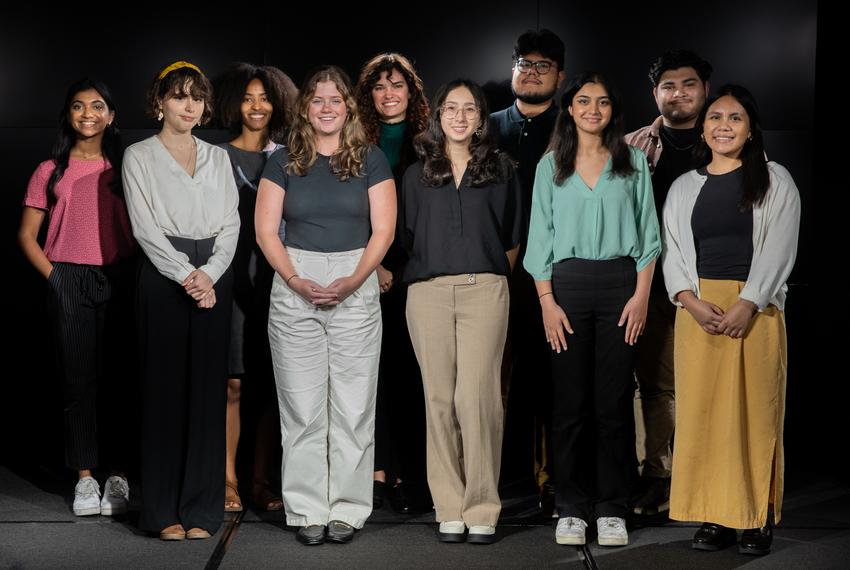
(184, 376)
(592, 417)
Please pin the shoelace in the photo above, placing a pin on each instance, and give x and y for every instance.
(88, 488)
(612, 522)
(117, 487)
(569, 523)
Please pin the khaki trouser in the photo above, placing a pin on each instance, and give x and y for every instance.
(458, 325)
(326, 371)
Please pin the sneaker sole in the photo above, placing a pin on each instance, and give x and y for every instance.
(87, 511)
(481, 538)
(451, 536)
(613, 541)
(753, 551)
(570, 540)
(112, 510)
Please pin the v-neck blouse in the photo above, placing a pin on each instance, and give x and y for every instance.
(163, 200)
(614, 219)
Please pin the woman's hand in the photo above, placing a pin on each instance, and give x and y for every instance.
(208, 300)
(737, 319)
(343, 287)
(555, 322)
(385, 278)
(634, 317)
(707, 315)
(312, 292)
(197, 284)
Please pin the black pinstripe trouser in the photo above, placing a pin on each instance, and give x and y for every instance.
(80, 307)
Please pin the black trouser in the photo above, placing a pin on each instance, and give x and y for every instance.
(184, 376)
(400, 404)
(88, 307)
(593, 422)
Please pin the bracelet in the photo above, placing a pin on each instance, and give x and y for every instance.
(290, 278)
(544, 294)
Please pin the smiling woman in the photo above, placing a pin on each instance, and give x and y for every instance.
(183, 206)
(335, 192)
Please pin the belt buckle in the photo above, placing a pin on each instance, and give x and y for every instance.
(470, 279)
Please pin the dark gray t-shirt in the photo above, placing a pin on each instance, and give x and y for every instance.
(323, 213)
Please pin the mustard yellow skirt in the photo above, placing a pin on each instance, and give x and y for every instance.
(730, 407)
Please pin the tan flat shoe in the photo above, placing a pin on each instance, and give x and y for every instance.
(173, 532)
(197, 534)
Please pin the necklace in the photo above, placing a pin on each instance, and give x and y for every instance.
(174, 152)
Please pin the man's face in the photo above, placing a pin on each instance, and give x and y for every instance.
(533, 87)
(680, 95)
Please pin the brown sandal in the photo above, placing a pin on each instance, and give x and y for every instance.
(265, 498)
(232, 501)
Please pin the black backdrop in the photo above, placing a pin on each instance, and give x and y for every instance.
(766, 46)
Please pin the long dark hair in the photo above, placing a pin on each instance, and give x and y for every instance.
(66, 138)
(486, 165)
(564, 142)
(753, 162)
(280, 89)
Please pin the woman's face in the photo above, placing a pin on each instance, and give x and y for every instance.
(256, 108)
(391, 96)
(182, 112)
(591, 108)
(89, 115)
(460, 116)
(726, 127)
(327, 111)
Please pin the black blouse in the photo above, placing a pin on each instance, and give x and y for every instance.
(453, 231)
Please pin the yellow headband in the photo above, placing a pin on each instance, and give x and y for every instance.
(178, 65)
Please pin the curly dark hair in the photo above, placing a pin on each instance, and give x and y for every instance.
(487, 164)
(417, 107)
(280, 90)
(174, 83)
(565, 136)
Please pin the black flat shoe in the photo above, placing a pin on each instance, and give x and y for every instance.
(756, 541)
(340, 532)
(547, 501)
(379, 491)
(398, 499)
(713, 537)
(311, 535)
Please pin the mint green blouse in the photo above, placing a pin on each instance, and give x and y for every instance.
(615, 219)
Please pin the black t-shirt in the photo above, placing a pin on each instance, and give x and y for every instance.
(453, 231)
(723, 235)
(676, 159)
(323, 213)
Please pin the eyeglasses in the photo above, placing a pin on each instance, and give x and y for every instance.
(542, 67)
(450, 111)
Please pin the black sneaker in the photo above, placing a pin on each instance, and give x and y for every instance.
(379, 491)
(398, 499)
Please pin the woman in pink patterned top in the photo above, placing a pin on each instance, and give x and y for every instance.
(86, 260)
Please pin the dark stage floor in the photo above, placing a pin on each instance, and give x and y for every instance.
(38, 530)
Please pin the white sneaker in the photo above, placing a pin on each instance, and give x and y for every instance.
(116, 496)
(611, 531)
(570, 530)
(481, 534)
(452, 531)
(87, 497)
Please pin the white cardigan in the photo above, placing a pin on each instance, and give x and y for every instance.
(776, 227)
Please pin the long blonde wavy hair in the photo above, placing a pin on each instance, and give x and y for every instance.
(349, 159)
